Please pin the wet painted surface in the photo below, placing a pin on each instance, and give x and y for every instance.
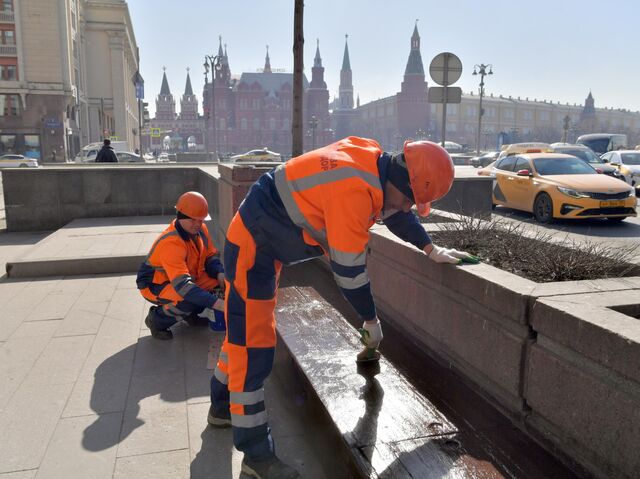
(414, 418)
(390, 428)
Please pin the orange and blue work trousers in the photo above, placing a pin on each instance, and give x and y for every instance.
(247, 354)
(172, 307)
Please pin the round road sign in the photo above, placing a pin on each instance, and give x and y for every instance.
(445, 69)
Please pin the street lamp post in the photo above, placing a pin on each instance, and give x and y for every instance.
(212, 63)
(313, 125)
(482, 71)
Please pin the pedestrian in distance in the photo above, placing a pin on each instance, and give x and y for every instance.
(106, 153)
(322, 202)
(182, 271)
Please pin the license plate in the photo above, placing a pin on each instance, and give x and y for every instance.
(611, 204)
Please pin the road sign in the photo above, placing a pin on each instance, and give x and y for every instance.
(445, 69)
(436, 94)
(155, 132)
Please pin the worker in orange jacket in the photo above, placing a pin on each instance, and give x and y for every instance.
(322, 202)
(182, 270)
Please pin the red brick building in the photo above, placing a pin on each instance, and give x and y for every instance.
(255, 111)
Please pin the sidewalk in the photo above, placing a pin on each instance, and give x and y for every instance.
(86, 392)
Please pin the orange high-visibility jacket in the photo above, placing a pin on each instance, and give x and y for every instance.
(178, 259)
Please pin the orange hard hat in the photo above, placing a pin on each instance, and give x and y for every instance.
(193, 205)
(431, 172)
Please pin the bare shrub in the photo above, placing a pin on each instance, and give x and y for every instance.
(536, 255)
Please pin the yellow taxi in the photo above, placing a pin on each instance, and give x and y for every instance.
(257, 155)
(555, 185)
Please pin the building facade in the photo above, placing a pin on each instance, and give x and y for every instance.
(255, 110)
(172, 131)
(407, 114)
(66, 76)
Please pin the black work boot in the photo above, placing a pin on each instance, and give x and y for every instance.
(271, 468)
(219, 419)
(195, 320)
(155, 332)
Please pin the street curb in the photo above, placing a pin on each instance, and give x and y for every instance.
(74, 266)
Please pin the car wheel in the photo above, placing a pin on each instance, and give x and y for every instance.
(543, 208)
(616, 219)
(23, 165)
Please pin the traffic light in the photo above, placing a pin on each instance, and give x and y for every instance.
(145, 114)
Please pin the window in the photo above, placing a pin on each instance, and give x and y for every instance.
(9, 105)
(7, 6)
(272, 123)
(508, 113)
(256, 123)
(544, 115)
(243, 104)
(521, 164)
(489, 112)
(471, 111)
(7, 144)
(452, 109)
(8, 37)
(8, 72)
(243, 124)
(507, 163)
(255, 104)
(527, 115)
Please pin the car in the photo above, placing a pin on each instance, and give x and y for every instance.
(257, 155)
(628, 164)
(484, 159)
(128, 157)
(556, 185)
(163, 158)
(587, 154)
(601, 143)
(11, 160)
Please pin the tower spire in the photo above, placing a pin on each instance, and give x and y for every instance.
(414, 64)
(164, 89)
(317, 61)
(346, 88)
(188, 90)
(267, 62)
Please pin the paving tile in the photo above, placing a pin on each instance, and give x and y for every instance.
(29, 329)
(53, 306)
(82, 320)
(154, 356)
(211, 449)
(10, 319)
(17, 357)
(126, 305)
(103, 394)
(20, 475)
(82, 447)
(27, 424)
(154, 429)
(155, 391)
(169, 465)
(127, 281)
(61, 361)
(197, 376)
(99, 289)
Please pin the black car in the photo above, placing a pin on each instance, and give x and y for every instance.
(587, 155)
(484, 160)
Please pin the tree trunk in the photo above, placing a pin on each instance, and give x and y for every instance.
(298, 68)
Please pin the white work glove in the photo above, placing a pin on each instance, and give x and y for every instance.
(450, 255)
(373, 333)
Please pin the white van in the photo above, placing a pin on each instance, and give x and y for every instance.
(88, 153)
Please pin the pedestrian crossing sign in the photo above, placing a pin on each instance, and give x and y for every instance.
(155, 132)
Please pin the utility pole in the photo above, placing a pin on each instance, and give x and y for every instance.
(298, 66)
(482, 71)
(213, 63)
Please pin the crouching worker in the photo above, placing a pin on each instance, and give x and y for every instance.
(182, 269)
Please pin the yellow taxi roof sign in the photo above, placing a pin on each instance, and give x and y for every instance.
(532, 147)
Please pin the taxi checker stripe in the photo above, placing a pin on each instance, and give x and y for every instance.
(246, 398)
(292, 207)
(352, 283)
(251, 420)
(220, 376)
(348, 259)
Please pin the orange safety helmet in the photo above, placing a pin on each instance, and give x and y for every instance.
(431, 172)
(193, 205)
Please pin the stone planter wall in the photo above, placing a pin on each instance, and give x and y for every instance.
(554, 357)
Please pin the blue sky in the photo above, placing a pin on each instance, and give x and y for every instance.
(554, 50)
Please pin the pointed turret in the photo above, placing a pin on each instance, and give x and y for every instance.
(164, 89)
(317, 71)
(188, 90)
(267, 62)
(317, 61)
(414, 64)
(345, 90)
